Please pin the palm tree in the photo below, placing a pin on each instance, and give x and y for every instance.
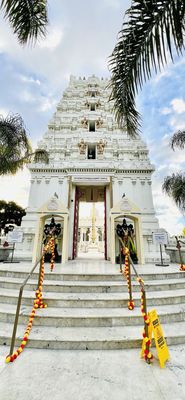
(15, 149)
(154, 30)
(28, 18)
(153, 33)
(174, 185)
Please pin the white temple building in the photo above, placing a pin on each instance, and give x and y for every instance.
(90, 160)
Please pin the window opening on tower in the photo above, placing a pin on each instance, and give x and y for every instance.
(91, 126)
(92, 107)
(91, 152)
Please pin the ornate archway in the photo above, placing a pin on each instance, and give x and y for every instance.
(126, 209)
(56, 209)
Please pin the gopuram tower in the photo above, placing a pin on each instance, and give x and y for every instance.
(90, 160)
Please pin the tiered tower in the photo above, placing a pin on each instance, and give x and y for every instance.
(91, 159)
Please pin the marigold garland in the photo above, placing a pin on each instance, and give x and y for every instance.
(52, 254)
(147, 342)
(127, 275)
(38, 303)
(182, 267)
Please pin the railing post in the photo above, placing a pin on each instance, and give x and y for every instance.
(179, 249)
(130, 282)
(40, 269)
(120, 257)
(145, 324)
(16, 321)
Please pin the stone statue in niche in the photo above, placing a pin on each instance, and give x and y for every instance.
(84, 123)
(99, 123)
(127, 235)
(82, 147)
(100, 146)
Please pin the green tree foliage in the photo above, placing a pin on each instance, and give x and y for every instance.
(174, 185)
(10, 213)
(153, 29)
(15, 149)
(27, 18)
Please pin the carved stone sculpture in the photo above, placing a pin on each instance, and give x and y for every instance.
(100, 147)
(84, 123)
(82, 147)
(99, 123)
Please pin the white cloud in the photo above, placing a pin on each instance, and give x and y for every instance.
(177, 123)
(53, 39)
(178, 105)
(16, 187)
(167, 212)
(29, 79)
(166, 110)
(47, 104)
(164, 74)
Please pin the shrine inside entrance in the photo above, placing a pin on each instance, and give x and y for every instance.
(90, 222)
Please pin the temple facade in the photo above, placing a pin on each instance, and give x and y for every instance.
(90, 160)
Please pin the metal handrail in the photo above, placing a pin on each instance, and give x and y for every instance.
(181, 241)
(19, 303)
(142, 286)
(179, 250)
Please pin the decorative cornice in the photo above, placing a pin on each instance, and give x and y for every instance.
(66, 171)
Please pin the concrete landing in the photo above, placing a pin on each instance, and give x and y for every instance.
(91, 375)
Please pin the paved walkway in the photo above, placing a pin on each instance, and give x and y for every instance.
(91, 375)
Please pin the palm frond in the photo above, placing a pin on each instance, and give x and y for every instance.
(153, 28)
(28, 18)
(174, 186)
(178, 140)
(14, 144)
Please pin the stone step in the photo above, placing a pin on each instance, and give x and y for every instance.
(89, 300)
(92, 286)
(115, 276)
(89, 317)
(104, 338)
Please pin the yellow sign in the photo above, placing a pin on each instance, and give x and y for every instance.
(160, 342)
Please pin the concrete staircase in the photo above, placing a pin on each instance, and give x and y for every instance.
(87, 305)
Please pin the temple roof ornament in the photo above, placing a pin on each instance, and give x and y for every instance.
(80, 122)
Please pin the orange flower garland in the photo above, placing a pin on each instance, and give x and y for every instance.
(148, 356)
(38, 303)
(52, 254)
(127, 275)
(182, 267)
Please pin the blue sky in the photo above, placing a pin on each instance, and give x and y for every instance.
(81, 36)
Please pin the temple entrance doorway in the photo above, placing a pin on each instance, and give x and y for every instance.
(91, 230)
(90, 223)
